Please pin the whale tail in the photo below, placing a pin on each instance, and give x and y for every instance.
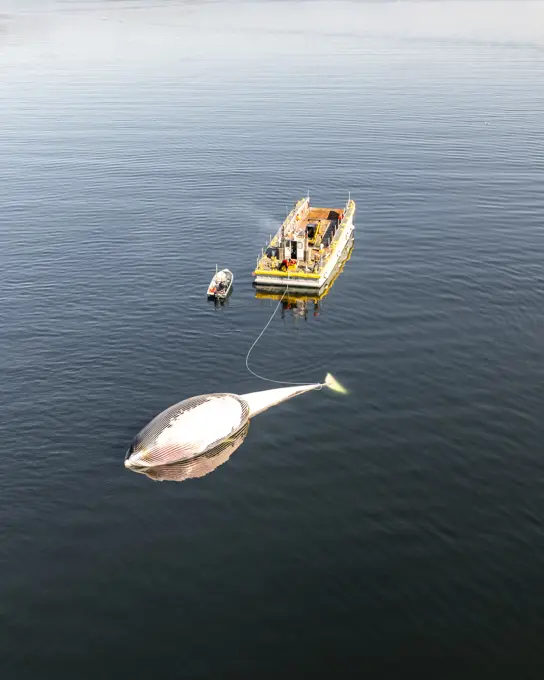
(334, 385)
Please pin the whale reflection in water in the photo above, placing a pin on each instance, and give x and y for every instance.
(196, 467)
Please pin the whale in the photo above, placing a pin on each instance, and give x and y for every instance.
(207, 423)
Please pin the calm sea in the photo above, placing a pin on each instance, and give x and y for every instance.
(393, 530)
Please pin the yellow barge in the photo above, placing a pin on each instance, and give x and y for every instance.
(308, 248)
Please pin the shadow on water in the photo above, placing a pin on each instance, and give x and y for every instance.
(299, 306)
(220, 303)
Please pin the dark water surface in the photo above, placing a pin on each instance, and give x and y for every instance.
(401, 526)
